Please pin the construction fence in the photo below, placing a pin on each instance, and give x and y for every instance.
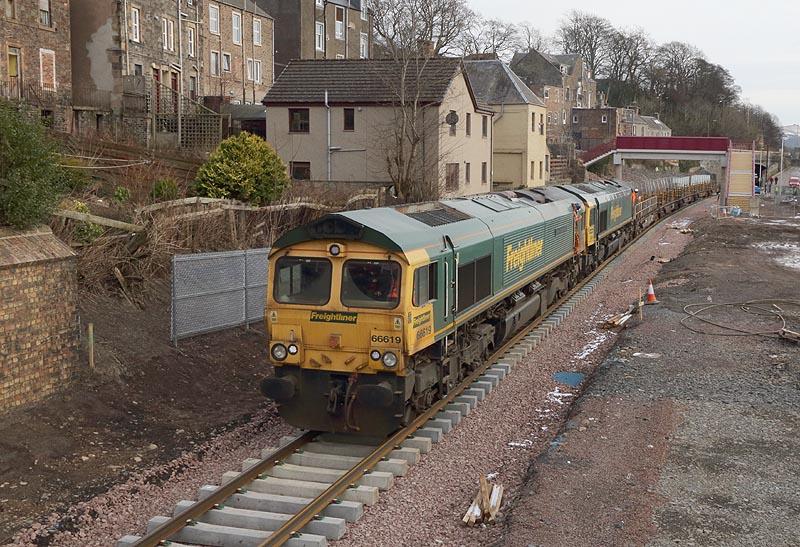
(216, 291)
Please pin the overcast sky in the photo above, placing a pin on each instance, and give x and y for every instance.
(758, 42)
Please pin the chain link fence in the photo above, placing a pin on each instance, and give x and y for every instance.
(215, 291)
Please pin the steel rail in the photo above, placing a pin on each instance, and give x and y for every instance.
(292, 526)
(186, 517)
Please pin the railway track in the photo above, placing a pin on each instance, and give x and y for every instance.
(306, 491)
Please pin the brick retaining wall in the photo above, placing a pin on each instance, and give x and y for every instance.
(38, 317)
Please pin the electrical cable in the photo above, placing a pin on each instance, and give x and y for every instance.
(754, 307)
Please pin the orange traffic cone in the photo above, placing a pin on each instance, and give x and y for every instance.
(651, 294)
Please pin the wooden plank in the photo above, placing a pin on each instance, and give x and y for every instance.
(85, 217)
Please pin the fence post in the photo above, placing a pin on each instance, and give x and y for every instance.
(246, 284)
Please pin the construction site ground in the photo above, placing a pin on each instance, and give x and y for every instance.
(680, 437)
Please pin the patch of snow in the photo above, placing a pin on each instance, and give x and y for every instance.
(596, 342)
(785, 254)
(680, 224)
(525, 443)
(557, 396)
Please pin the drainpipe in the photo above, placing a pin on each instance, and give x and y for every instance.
(180, 76)
(127, 43)
(328, 115)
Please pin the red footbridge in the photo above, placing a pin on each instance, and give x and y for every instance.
(660, 148)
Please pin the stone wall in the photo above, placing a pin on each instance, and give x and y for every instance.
(38, 317)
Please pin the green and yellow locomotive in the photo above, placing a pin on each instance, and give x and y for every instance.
(374, 314)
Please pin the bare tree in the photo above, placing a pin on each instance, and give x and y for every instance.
(489, 36)
(530, 38)
(405, 24)
(586, 35)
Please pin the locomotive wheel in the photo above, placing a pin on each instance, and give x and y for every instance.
(408, 414)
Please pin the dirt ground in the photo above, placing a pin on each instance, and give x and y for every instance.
(146, 403)
(682, 437)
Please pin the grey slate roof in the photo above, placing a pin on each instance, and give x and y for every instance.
(495, 84)
(568, 60)
(655, 123)
(362, 81)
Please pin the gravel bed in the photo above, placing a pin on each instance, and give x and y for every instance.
(518, 420)
(126, 508)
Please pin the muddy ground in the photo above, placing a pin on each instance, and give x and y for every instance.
(145, 403)
(685, 438)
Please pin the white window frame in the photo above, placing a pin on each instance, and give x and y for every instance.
(320, 3)
(136, 28)
(190, 43)
(213, 19)
(171, 34)
(164, 34)
(363, 48)
(257, 71)
(215, 70)
(256, 32)
(224, 57)
(49, 53)
(564, 117)
(574, 119)
(319, 35)
(604, 118)
(364, 10)
(339, 25)
(236, 17)
(546, 93)
(249, 70)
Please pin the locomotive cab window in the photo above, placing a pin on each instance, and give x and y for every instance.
(424, 284)
(302, 280)
(371, 284)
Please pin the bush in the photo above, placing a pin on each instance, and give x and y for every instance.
(164, 190)
(31, 181)
(122, 194)
(243, 167)
(85, 232)
(74, 178)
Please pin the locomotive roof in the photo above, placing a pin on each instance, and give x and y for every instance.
(466, 220)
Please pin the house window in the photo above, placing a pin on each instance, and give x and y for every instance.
(190, 42)
(547, 163)
(568, 94)
(164, 34)
(546, 93)
(47, 69)
(364, 10)
(564, 117)
(301, 170)
(138, 69)
(11, 9)
(213, 19)
(452, 115)
(541, 124)
(349, 119)
(541, 169)
(339, 23)
(319, 36)
(236, 27)
(533, 169)
(485, 126)
(533, 122)
(299, 120)
(256, 71)
(574, 119)
(256, 32)
(45, 17)
(226, 62)
(215, 63)
(364, 46)
(451, 176)
(193, 88)
(484, 172)
(136, 29)
(604, 119)
(466, 172)
(171, 29)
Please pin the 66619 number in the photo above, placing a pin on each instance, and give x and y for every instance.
(377, 338)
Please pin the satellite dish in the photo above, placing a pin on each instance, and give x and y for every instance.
(451, 118)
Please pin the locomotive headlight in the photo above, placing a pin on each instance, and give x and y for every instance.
(375, 355)
(293, 349)
(389, 359)
(279, 352)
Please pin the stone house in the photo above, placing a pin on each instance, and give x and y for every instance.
(353, 135)
(520, 154)
(320, 29)
(563, 81)
(35, 60)
(593, 127)
(238, 51)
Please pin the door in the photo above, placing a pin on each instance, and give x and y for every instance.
(14, 72)
(450, 262)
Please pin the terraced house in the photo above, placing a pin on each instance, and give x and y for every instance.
(34, 56)
(320, 29)
(341, 120)
(520, 155)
